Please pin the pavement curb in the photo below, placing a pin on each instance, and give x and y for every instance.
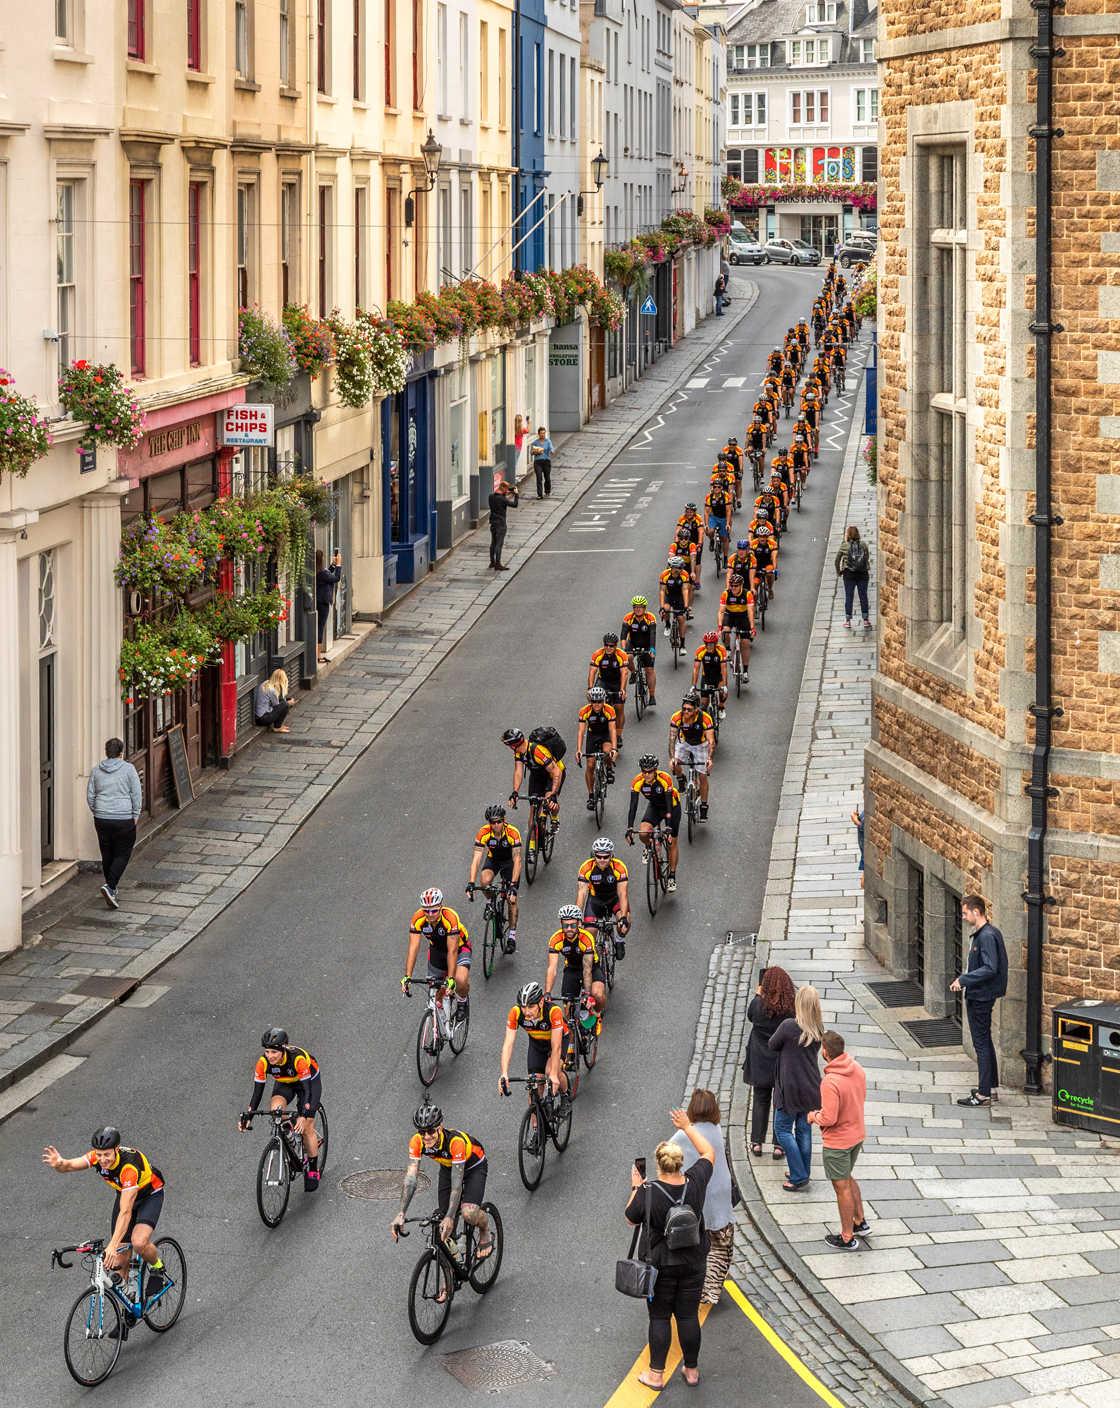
(200, 917)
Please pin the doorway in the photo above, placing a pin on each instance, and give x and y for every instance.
(821, 231)
(47, 709)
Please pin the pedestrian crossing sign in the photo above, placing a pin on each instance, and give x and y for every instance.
(649, 306)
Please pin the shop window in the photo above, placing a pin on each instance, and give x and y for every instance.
(165, 494)
(249, 471)
(750, 167)
(201, 488)
(870, 164)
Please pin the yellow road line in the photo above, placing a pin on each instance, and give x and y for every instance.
(779, 1344)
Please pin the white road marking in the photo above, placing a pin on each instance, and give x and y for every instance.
(697, 382)
(146, 994)
(735, 381)
(602, 528)
(24, 1090)
(557, 552)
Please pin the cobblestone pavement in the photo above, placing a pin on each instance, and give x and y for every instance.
(994, 1266)
(80, 958)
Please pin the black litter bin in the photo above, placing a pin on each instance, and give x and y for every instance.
(1086, 1048)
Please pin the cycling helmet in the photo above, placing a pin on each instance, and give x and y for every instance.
(763, 515)
(648, 762)
(731, 440)
(496, 813)
(736, 580)
(710, 637)
(777, 349)
(106, 1138)
(721, 458)
(530, 994)
(602, 846)
(597, 694)
(676, 561)
(691, 700)
(690, 508)
(275, 1039)
(775, 474)
(639, 601)
(741, 546)
(428, 1117)
(683, 533)
(431, 899)
(569, 912)
(513, 735)
(610, 638)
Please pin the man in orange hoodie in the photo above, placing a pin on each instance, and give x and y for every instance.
(840, 1119)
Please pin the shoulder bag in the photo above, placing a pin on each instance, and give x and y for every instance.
(634, 1277)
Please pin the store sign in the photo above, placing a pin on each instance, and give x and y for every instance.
(563, 354)
(247, 425)
(175, 438)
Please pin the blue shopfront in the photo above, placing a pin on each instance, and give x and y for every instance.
(407, 489)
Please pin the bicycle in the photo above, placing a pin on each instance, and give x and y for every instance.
(719, 549)
(797, 491)
(540, 838)
(606, 925)
(548, 1117)
(283, 1157)
(583, 1041)
(676, 644)
(691, 798)
(756, 469)
(642, 661)
(495, 923)
(657, 867)
(101, 1318)
(711, 702)
(736, 662)
(762, 599)
(599, 783)
(441, 1271)
(437, 1029)
(787, 400)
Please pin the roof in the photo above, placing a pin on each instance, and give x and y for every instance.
(762, 21)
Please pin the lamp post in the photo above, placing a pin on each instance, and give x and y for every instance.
(599, 166)
(431, 151)
(676, 190)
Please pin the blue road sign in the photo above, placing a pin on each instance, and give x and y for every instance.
(649, 306)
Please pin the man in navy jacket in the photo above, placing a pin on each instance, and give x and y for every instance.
(983, 982)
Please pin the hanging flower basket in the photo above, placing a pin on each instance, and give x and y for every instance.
(353, 373)
(23, 432)
(863, 196)
(161, 658)
(389, 360)
(97, 394)
(311, 339)
(264, 348)
(159, 557)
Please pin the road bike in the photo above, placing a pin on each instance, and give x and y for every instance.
(104, 1313)
(838, 373)
(583, 1041)
(600, 781)
(710, 702)
(606, 926)
(676, 644)
(540, 837)
(735, 665)
(642, 661)
(797, 490)
(757, 458)
(787, 400)
(548, 1117)
(495, 923)
(284, 1156)
(441, 1271)
(657, 866)
(720, 546)
(690, 798)
(761, 599)
(438, 1027)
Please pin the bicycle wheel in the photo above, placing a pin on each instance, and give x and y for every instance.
(606, 959)
(427, 1049)
(489, 942)
(675, 641)
(161, 1314)
(531, 848)
(323, 1133)
(548, 840)
(432, 1277)
(571, 1068)
(663, 864)
(590, 1048)
(531, 1144)
(737, 660)
(690, 810)
(562, 1130)
(763, 598)
(460, 1028)
(600, 793)
(92, 1338)
(653, 893)
(639, 691)
(274, 1182)
(798, 493)
(485, 1273)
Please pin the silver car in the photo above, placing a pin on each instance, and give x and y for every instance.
(744, 251)
(791, 252)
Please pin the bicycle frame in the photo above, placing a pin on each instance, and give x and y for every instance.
(93, 1253)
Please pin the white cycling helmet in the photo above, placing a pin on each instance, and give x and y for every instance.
(431, 899)
(570, 911)
(602, 846)
(676, 561)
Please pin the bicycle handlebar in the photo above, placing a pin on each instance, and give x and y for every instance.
(429, 982)
(59, 1255)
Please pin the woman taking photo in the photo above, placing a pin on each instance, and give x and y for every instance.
(769, 1008)
(797, 1084)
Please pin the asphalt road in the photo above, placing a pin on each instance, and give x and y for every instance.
(317, 1307)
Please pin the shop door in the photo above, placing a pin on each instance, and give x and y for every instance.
(821, 231)
(47, 707)
(338, 623)
(598, 396)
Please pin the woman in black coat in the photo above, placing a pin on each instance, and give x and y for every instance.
(797, 1083)
(326, 579)
(769, 1008)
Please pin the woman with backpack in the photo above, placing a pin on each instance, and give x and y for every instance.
(675, 1241)
(853, 563)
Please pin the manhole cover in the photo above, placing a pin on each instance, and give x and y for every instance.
(111, 988)
(380, 1183)
(489, 1368)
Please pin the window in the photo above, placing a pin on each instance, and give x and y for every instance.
(194, 273)
(416, 37)
(136, 29)
(324, 250)
(503, 113)
(805, 53)
(867, 51)
(444, 255)
(758, 56)
(735, 163)
(466, 232)
(750, 167)
(289, 243)
(241, 38)
(465, 66)
(822, 13)
(390, 40)
(460, 420)
(808, 107)
(563, 96)
(538, 89)
(441, 58)
(870, 164)
(866, 105)
(573, 111)
(359, 83)
(194, 34)
(64, 239)
(552, 92)
(285, 44)
(748, 109)
(738, 56)
(483, 72)
(244, 245)
(361, 196)
(392, 234)
(62, 21)
(320, 45)
(136, 238)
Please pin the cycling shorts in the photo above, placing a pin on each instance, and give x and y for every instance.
(290, 1090)
(505, 871)
(146, 1209)
(540, 783)
(655, 814)
(675, 602)
(474, 1186)
(738, 623)
(694, 753)
(463, 960)
(593, 746)
(644, 655)
(572, 984)
(540, 1052)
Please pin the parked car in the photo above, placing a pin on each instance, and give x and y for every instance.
(791, 252)
(854, 251)
(745, 251)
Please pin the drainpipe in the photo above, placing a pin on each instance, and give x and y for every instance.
(1043, 519)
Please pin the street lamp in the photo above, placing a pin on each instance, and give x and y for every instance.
(676, 190)
(599, 166)
(431, 151)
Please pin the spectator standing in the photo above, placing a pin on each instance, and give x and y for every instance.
(680, 1273)
(273, 703)
(983, 982)
(720, 288)
(769, 1008)
(840, 1121)
(725, 271)
(719, 1216)
(797, 1084)
(114, 797)
(857, 822)
(503, 498)
(540, 450)
(326, 579)
(853, 563)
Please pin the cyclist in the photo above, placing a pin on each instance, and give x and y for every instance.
(582, 971)
(719, 506)
(812, 413)
(462, 1177)
(734, 452)
(610, 667)
(683, 546)
(295, 1076)
(603, 889)
(756, 445)
(546, 772)
(771, 501)
(674, 581)
(788, 382)
(497, 852)
(779, 485)
(663, 804)
(803, 335)
(449, 948)
(709, 668)
(774, 361)
(597, 726)
(692, 739)
(544, 1023)
(137, 1206)
(764, 558)
(801, 458)
(740, 559)
(639, 638)
(736, 612)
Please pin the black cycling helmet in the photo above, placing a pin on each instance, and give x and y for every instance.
(513, 735)
(530, 994)
(648, 762)
(691, 700)
(496, 813)
(610, 638)
(427, 1117)
(275, 1039)
(106, 1138)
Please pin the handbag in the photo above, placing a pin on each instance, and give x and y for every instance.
(634, 1277)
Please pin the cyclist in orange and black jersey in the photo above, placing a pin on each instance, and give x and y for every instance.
(774, 360)
(578, 947)
(673, 584)
(692, 519)
(610, 667)
(546, 773)
(763, 412)
(295, 1076)
(683, 546)
(497, 852)
(779, 485)
(709, 665)
(803, 335)
(739, 561)
(773, 501)
(663, 804)
(449, 947)
(638, 638)
(720, 505)
(596, 733)
(734, 455)
(736, 613)
(823, 376)
(692, 740)
(764, 554)
(543, 1023)
(462, 1177)
(800, 458)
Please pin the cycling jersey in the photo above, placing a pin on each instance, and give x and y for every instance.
(695, 525)
(800, 456)
(130, 1169)
(603, 880)
(761, 528)
(582, 942)
(774, 361)
(661, 794)
(688, 550)
(740, 563)
(297, 1065)
(499, 849)
(639, 630)
(610, 664)
(674, 582)
(551, 1019)
(695, 732)
(598, 721)
(717, 503)
(439, 931)
(811, 413)
(734, 454)
(453, 1147)
(788, 377)
(736, 606)
(712, 660)
(763, 550)
(770, 500)
(537, 758)
(756, 437)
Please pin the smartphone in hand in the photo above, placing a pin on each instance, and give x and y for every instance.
(640, 1165)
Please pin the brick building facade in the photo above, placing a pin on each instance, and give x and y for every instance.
(953, 733)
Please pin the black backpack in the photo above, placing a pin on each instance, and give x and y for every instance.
(682, 1226)
(548, 738)
(857, 556)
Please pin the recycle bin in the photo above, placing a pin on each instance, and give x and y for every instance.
(1086, 1049)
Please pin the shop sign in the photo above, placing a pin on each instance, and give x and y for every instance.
(87, 461)
(247, 425)
(176, 438)
(563, 354)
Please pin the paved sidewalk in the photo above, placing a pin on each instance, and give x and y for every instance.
(79, 958)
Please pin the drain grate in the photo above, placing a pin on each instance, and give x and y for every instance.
(904, 994)
(489, 1368)
(940, 1031)
(48, 1009)
(111, 988)
(380, 1184)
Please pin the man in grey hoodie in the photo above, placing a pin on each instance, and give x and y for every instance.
(114, 798)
